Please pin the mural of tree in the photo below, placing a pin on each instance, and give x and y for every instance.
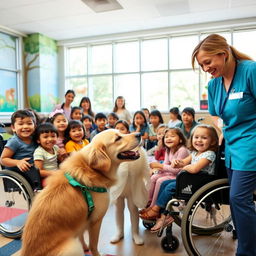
(36, 45)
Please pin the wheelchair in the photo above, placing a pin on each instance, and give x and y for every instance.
(201, 208)
(17, 191)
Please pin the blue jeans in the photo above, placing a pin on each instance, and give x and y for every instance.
(242, 186)
(166, 192)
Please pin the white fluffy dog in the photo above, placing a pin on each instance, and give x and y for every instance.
(132, 184)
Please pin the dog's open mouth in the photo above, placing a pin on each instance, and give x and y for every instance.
(129, 155)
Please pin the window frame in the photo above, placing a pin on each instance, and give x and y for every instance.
(202, 88)
(20, 94)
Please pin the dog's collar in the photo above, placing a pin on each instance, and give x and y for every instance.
(85, 191)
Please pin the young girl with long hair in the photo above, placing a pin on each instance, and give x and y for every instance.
(86, 105)
(60, 122)
(121, 111)
(155, 119)
(175, 117)
(139, 124)
(175, 143)
(203, 147)
(75, 136)
(76, 113)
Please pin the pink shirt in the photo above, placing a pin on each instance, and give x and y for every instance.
(180, 154)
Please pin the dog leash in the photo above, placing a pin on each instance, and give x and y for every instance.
(85, 191)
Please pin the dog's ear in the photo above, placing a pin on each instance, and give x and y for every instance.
(99, 160)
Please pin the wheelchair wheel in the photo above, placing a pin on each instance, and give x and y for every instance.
(15, 201)
(170, 244)
(208, 213)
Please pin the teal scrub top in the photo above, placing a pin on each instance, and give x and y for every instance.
(238, 112)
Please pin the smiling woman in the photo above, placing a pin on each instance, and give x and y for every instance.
(66, 106)
(232, 97)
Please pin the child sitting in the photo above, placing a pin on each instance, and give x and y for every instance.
(46, 154)
(112, 118)
(75, 136)
(60, 122)
(155, 119)
(19, 149)
(76, 113)
(175, 143)
(157, 153)
(89, 125)
(100, 121)
(139, 124)
(203, 145)
(175, 117)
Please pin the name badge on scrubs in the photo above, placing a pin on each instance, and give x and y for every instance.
(235, 96)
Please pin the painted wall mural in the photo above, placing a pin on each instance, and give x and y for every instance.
(8, 73)
(41, 81)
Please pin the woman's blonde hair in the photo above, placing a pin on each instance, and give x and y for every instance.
(213, 134)
(215, 44)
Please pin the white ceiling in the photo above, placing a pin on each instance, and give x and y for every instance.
(68, 19)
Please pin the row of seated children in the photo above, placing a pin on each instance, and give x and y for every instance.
(37, 145)
(146, 124)
(72, 135)
(49, 143)
(198, 156)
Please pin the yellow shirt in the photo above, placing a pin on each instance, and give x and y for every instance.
(73, 146)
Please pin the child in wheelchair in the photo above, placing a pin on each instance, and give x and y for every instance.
(18, 152)
(175, 144)
(203, 146)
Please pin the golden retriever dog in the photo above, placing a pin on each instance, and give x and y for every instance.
(132, 185)
(60, 213)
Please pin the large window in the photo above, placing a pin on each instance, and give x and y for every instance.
(245, 41)
(150, 72)
(9, 74)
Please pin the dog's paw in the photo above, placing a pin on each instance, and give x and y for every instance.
(117, 238)
(137, 239)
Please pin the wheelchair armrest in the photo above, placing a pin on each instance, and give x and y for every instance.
(187, 183)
